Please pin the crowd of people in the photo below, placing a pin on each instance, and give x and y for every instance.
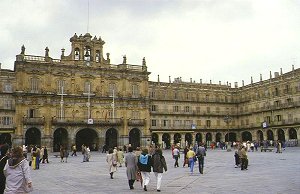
(15, 163)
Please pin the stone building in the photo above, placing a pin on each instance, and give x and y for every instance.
(82, 98)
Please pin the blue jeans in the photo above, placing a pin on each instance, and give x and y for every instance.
(191, 162)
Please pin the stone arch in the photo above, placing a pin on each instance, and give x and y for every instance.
(270, 135)
(246, 136)
(260, 135)
(154, 138)
(218, 137)
(33, 136)
(5, 138)
(134, 138)
(292, 133)
(280, 135)
(231, 137)
(88, 137)
(60, 137)
(177, 138)
(166, 140)
(189, 138)
(198, 138)
(208, 138)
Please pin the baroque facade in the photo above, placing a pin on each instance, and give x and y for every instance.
(84, 99)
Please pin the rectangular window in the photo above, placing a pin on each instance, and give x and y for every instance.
(208, 109)
(268, 119)
(278, 117)
(165, 123)
(7, 120)
(153, 108)
(7, 104)
(7, 87)
(61, 86)
(135, 91)
(177, 123)
(176, 109)
(198, 110)
(112, 89)
(34, 85)
(31, 113)
(208, 123)
(153, 122)
(187, 109)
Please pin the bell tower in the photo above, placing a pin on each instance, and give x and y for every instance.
(86, 49)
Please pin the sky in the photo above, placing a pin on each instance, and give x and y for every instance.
(217, 40)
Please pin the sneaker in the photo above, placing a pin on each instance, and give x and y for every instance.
(158, 190)
(145, 188)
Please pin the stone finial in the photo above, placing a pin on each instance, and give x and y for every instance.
(169, 79)
(144, 61)
(210, 82)
(251, 80)
(219, 82)
(200, 81)
(23, 50)
(62, 52)
(124, 59)
(280, 71)
(260, 77)
(107, 57)
(46, 52)
(243, 83)
(157, 78)
(293, 68)
(191, 80)
(270, 75)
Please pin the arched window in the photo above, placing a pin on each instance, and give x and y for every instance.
(76, 54)
(87, 53)
(97, 57)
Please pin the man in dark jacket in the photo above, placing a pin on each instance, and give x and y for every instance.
(159, 165)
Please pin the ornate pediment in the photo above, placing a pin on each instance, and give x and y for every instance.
(88, 76)
(62, 74)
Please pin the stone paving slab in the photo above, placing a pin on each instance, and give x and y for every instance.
(268, 173)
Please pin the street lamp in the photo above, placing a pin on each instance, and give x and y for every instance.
(227, 120)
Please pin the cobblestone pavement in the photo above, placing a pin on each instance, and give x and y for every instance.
(268, 172)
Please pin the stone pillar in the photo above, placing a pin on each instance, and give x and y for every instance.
(286, 134)
(160, 142)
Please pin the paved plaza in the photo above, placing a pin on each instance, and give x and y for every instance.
(268, 172)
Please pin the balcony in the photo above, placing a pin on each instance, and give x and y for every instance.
(7, 128)
(84, 121)
(136, 122)
(33, 121)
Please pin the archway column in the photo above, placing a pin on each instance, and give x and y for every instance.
(160, 139)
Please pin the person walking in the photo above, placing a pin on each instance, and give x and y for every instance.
(144, 165)
(131, 167)
(111, 160)
(62, 153)
(159, 165)
(190, 156)
(17, 173)
(45, 155)
(3, 159)
(185, 159)
(74, 150)
(120, 155)
(176, 156)
(244, 159)
(201, 153)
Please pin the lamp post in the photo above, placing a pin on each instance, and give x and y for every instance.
(227, 120)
